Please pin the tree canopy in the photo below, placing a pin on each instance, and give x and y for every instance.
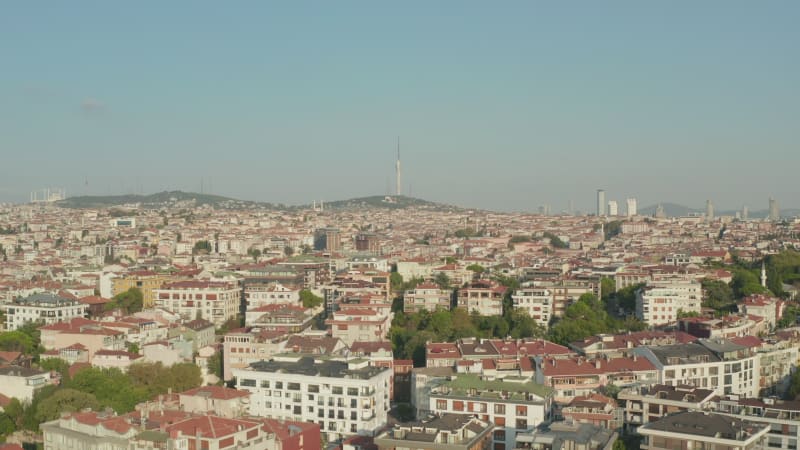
(309, 299)
(130, 301)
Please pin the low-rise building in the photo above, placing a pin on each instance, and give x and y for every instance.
(482, 297)
(699, 430)
(42, 308)
(426, 296)
(450, 431)
(568, 435)
(217, 400)
(537, 302)
(22, 383)
(645, 404)
(214, 301)
(512, 406)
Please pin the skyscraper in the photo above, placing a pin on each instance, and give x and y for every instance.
(709, 210)
(745, 212)
(774, 211)
(601, 203)
(632, 207)
(612, 208)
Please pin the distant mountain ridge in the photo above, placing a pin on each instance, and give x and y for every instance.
(389, 202)
(161, 199)
(157, 199)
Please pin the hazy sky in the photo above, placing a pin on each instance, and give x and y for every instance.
(505, 105)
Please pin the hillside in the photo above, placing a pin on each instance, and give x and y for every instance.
(153, 200)
(389, 202)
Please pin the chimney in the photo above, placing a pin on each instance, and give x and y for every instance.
(597, 364)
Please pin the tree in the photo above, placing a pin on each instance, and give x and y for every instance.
(201, 247)
(130, 301)
(524, 326)
(718, 295)
(310, 300)
(584, 318)
(56, 365)
(477, 268)
(17, 341)
(686, 314)
(555, 241)
(607, 287)
(64, 400)
(288, 251)
(442, 280)
(612, 229)
(111, 387)
(745, 283)
(396, 282)
(215, 363)
(619, 444)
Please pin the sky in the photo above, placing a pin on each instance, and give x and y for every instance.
(499, 105)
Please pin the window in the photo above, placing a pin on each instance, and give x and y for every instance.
(293, 386)
(279, 385)
(522, 410)
(248, 382)
(352, 391)
(522, 424)
(499, 408)
(499, 435)
(264, 383)
(441, 404)
(337, 390)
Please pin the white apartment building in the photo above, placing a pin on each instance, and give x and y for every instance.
(613, 208)
(426, 296)
(257, 295)
(537, 302)
(660, 301)
(214, 301)
(44, 308)
(714, 364)
(343, 397)
(22, 383)
(351, 325)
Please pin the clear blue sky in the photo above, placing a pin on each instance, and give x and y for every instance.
(504, 105)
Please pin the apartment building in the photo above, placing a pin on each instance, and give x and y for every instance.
(537, 302)
(451, 431)
(781, 416)
(645, 404)
(660, 301)
(90, 335)
(513, 407)
(145, 281)
(770, 308)
(699, 430)
(343, 397)
(718, 365)
(426, 296)
(351, 325)
(257, 295)
(213, 301)
(482, 297)
(567, 435)
(580, 376)
(22, 382)
(42, 308)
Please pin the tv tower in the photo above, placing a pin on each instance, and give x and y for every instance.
(397, 168)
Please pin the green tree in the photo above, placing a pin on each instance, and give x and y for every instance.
(7, 426)
(745, 282)
(396, 282)
(442, 280)
(310, 300)
(686, 314)
(111, 387)
(56, 365)
(201, 247)
(17, 341)
(215, 363)
(477, 268)
(64, 400)
(254, 253)
(130, 301)
(555, 241)
(607, 288)
(619, 444)
(718, 296)
(524, 326)
(288, 251)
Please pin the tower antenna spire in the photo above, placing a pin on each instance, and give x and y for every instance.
(398, 187)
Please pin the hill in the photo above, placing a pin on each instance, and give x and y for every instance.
(153, 200)
(389, 202)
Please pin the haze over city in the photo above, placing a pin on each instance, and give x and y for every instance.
(500, 107)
